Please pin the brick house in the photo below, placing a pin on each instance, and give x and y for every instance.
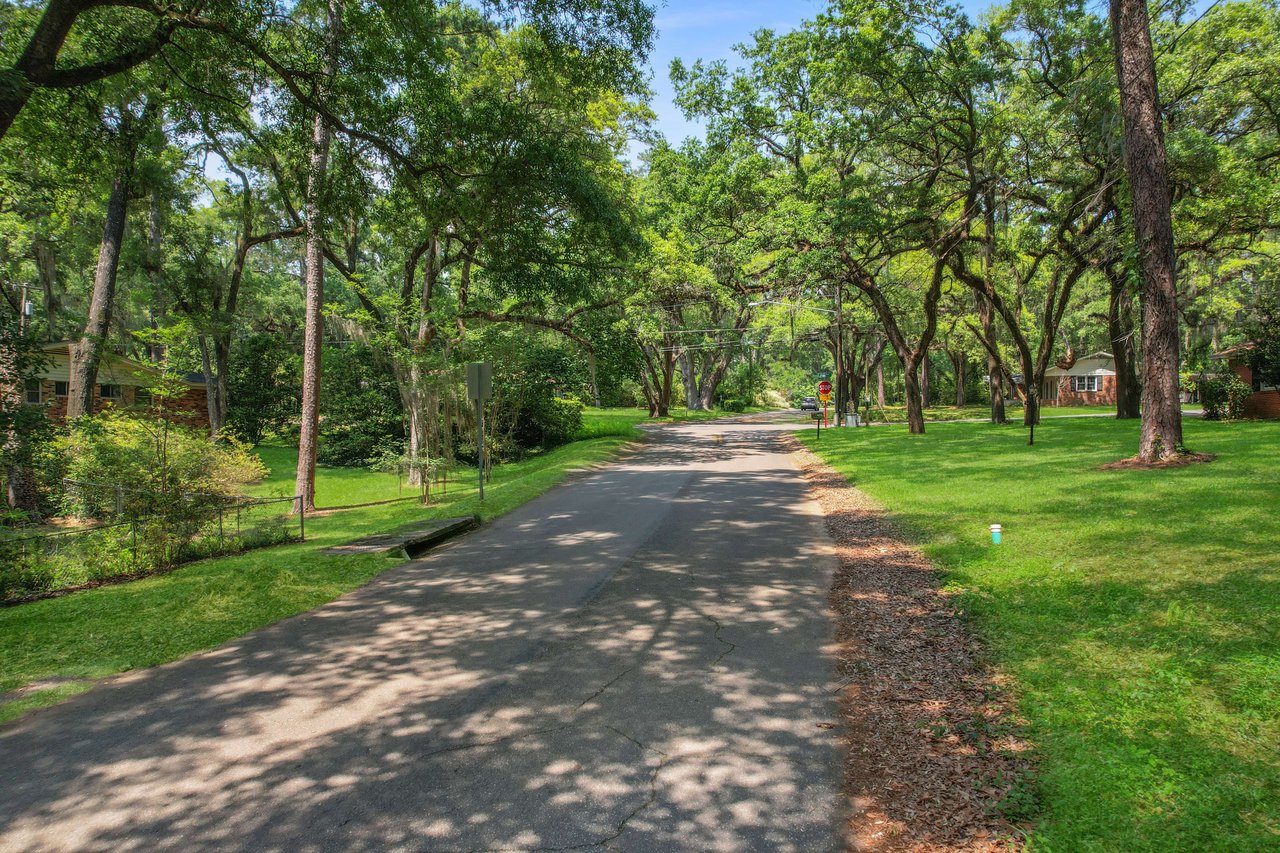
(1264, 402)
(1091, 381)
(122, 383)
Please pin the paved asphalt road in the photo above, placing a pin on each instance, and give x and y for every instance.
(634, 661)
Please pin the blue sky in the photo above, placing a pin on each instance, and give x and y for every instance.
(708, 29)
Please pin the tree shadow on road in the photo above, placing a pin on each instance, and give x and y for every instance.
(642, 666)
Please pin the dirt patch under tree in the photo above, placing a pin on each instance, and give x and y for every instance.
(1134, 463)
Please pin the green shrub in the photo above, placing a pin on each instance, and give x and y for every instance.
(547, 422)
(531, 380)
(743, 381)
(733, 405)
(127, 466)
(361, 407)
(1223, 397)
(163, 494)
(264, 382)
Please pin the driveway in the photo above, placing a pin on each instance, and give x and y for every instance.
(634, 661)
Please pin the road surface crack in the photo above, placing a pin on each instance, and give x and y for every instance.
(606, 686)
(663, 758)
(731, 646)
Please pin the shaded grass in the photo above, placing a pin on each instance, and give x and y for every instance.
(110, 630)
(1137, 612)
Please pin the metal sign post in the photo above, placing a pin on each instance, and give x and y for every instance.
(480, 389)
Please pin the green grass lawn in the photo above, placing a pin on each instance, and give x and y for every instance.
(334, 486)
(112, 629)
(1137, 612)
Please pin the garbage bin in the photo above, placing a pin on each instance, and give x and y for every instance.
(852, 420)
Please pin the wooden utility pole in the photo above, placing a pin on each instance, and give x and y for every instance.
(840, 401)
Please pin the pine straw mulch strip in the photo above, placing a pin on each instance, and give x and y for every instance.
(934, 759)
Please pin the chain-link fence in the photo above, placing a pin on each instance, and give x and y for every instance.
(190, 528)
(107, 502)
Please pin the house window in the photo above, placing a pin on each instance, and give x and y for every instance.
(113, 393)
(1085, 383)
(60, 389)
(142, 397)
(33, 390)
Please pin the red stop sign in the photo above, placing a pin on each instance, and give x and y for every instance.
(824, 387)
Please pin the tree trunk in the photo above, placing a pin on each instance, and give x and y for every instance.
(86, 353)
(22, 492)
(1148, 170)
(959, 364)
(873, 354)
(957, 376)
(880, 379)
(591, 379)
(689, 376)
(39, 57)
(650, 398)
(313, 328)
(911, 389)
(986, 311)
(1120, 327)
(711, 379)
(986, 316)
(839, 355)
(1031, 389)
(658, 376)
(47, 266)
(1031, 404)
(221, 366)
(857, 370)
(924, 381)
(664, 391)
(212, 404)
(422, 420)
(910, 356)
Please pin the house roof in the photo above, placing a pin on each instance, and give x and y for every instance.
(119, 369)
(1100, 363)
